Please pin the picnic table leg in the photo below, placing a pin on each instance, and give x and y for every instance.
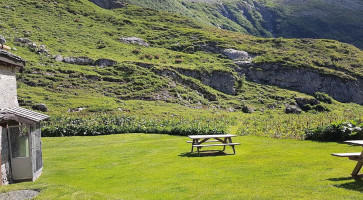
(225, 141)
(194, 142)
(230, 141)
(198, 151)
(357, 169)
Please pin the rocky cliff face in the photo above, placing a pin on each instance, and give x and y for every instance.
(108, 4)
(219, 80)
(304, 80)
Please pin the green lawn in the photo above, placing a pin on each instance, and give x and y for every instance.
(150, 166)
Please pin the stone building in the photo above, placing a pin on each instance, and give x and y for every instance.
(20, 136)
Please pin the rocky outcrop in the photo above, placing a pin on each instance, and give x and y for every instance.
(108, 4)
(103, 62)
(222, 81)
(304, 80)
(219, 80)
(234, 54)
(83, 60)
(134, 40)
(175, 76)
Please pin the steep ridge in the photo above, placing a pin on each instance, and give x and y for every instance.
(338, 20)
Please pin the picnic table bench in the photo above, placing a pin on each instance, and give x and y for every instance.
(357, 156)
(200, 141)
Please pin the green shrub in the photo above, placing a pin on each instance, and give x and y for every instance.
(323, 97)
(306, 107)
(336, 132)
(321, 108)
(106, 125)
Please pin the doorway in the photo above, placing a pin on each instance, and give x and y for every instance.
(20, 152)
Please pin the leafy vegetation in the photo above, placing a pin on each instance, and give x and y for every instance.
(337, 131)
(323, 97)
(106, 125)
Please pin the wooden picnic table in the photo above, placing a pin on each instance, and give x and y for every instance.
(357, 156)
(220, 140)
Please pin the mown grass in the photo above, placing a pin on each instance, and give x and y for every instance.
(144, 166)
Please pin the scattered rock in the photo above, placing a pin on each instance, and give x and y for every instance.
(292, 109)
(271, 106)
(19, 195)
(39, 49)
(58, 58)
(247, 109)
(75, 110)
(83, 60)
(23, 40)
(134, 40)
(40, 107)
(42, 49)
(103, 62)
(236, 54)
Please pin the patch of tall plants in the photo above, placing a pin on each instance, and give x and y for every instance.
(106, 125)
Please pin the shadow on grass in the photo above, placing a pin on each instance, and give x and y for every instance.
(208, 153)
(355, 184)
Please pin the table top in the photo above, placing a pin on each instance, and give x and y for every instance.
(210, 136)
(356, 142)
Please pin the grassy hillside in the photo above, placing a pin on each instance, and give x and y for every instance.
(146, 81)
(338, 20)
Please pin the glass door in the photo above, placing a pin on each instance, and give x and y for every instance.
(20, 152)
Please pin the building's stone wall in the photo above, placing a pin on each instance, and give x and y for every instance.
(8, 93)
(5, 153)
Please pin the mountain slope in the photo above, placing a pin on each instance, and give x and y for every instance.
(339, 20)
(184, 63)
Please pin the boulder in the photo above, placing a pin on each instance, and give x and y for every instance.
(294, 109)
(58, 58)
(247, 109)
(134, 40)
(234, 54)
(83, 60)
(42, 49)
(103, 62)
(40, 107)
